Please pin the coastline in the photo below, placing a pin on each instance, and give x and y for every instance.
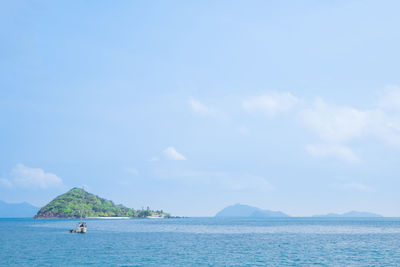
(109, 218)
(106, 218)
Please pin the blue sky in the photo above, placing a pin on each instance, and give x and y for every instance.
(190, 106)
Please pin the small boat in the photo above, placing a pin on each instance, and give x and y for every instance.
(81, 227)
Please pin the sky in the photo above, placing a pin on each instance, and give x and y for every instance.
(191, 106)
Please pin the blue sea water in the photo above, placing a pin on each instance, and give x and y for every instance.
(202, 242)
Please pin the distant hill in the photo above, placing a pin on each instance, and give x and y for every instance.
(240, 210)
(68, 205)
(351, 214)
(17, 210)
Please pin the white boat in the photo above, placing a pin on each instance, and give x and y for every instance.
(81, 227)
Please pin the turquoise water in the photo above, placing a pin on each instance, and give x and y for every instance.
(201, 242)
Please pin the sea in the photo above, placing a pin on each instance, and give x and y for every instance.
(202, 242)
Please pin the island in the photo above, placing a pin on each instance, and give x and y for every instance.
(350, 214)
(17, 210)
(69, 205)
(239, 210)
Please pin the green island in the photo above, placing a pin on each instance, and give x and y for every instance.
(68, 205)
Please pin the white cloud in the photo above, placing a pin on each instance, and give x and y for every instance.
(5, 183)
(338, 151)
(199, 107)
(335, 123)
(338, 125)
(34, 177)
(384, 126)
(172, 154)
(204, 110)
(271, 103)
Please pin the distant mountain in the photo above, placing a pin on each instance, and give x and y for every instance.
(351, 214)
(68, 205)
(17, 210)
(240, 210)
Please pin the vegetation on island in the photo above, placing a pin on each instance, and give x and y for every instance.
(68, 205)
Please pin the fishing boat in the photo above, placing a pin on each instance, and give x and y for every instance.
(81, 227)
